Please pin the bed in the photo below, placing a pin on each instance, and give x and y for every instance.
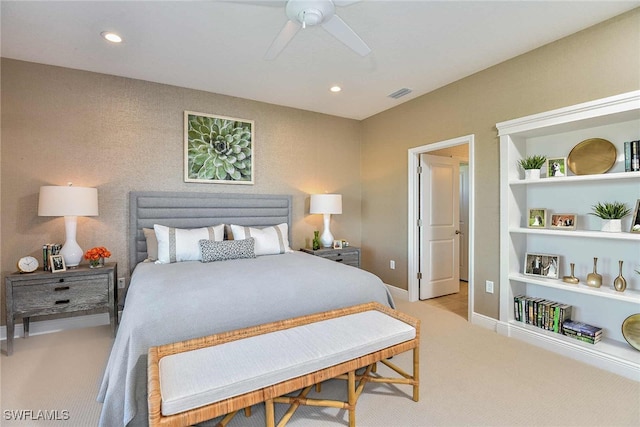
(182, 300)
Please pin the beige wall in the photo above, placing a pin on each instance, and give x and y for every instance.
(601, 61)
(121, 134)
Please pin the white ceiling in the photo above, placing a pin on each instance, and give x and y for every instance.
(218, 46)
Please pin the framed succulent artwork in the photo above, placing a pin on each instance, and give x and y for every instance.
(218, 149)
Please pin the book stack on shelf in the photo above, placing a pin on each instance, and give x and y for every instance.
(582, 331)
(632, 156)
(48, 250)
(545, 314)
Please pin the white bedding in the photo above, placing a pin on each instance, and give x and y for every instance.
(173, 302)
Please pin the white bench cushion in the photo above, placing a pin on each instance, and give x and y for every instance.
(196, 378)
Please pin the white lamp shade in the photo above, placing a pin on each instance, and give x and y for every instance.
(326, 204)
(68, 201)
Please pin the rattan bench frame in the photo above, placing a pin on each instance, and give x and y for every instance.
(275, 393)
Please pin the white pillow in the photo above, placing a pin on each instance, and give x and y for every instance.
(152, 244)
(181, 244)
(268, 241)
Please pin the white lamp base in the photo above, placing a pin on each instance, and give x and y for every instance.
(71, 250)
(326, 238)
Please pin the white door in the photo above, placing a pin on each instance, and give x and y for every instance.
(464, 222)
(439, 234)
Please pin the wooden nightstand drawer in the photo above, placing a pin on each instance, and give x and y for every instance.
(349, 255)
(345, 257)
(64, 296)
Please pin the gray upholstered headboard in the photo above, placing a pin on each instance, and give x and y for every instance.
(193, 210)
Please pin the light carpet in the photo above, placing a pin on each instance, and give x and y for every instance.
(470, 376)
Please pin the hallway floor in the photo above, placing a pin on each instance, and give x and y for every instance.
(456, 303)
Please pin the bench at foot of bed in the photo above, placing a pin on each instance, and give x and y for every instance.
(200, 379)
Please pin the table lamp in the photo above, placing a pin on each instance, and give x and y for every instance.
(70, 202)
(326, 204)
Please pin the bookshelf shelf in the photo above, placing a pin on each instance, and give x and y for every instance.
(590, 234)
(620, 351)
(629, 295)
(553, 134)
(576, 179)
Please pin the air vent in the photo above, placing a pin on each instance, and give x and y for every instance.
(399, 93)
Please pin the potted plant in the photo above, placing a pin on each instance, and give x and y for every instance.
(532, 165)
(611, 214)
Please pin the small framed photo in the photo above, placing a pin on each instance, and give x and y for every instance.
(57, 263)
(635, 221)
(556, 167)
(565, 221)
(542, 265)
(337, 244)
(537, 218)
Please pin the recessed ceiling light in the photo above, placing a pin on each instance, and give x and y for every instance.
(335, 89)
(112, 37)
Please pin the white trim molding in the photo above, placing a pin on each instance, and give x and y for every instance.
(571, 116)
(585, 354)
(485, 321)
(413, 236)
(398, 293)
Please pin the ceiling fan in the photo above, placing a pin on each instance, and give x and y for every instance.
(309, 13)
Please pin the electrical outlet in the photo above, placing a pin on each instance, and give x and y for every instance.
(392, 264)
(121, 282)
(489, 286)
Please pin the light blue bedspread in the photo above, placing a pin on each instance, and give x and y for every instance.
(173, 302)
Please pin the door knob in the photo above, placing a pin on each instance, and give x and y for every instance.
(458, 232)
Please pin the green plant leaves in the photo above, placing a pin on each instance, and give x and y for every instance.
(218, 149)
(532, 162)
(610, 210)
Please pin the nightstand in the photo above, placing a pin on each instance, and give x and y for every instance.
(349, 255)
(43, 293)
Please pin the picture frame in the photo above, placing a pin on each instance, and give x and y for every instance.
(337, 244)
(218, 149)
(564, 221)
(57, 263)
(635, 220)
(556, 167)
(542, 265)
(537, 218)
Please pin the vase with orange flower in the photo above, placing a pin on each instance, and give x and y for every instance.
(96, 256)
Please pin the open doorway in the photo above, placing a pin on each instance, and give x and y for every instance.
(462, 150)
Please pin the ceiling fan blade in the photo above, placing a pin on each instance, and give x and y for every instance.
(289, 30)
(340, 30)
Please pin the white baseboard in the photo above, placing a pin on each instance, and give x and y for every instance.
(56, 325)
(584, 353)
(484, 321)
(398, 293)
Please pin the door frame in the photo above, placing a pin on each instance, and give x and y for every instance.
(413, 234)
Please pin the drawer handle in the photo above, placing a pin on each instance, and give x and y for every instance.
(63, 301)
(61, 280)
(339, 260)
(61, 288)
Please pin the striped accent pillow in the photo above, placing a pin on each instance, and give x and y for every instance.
(182, 244)
(268, 240)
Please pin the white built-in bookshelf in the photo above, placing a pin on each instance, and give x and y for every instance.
(554, 134)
